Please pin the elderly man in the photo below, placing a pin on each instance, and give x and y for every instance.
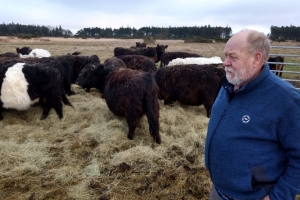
(253, 141)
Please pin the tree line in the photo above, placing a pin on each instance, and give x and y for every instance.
(157, 32)
(208, 32)
(20, 30)
(285, 33)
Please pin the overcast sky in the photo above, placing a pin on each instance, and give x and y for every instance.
(78, 14)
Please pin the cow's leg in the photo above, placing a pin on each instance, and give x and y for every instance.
(46, 110)
(281, 68)
(65, 99)
(152, 113)
(56, 103)
(132, 119)
(1, 116)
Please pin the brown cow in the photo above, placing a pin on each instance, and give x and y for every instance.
(278, 66)
(190, 84)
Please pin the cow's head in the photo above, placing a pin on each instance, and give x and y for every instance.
(160, 49)
(89, 75)
(24, 50)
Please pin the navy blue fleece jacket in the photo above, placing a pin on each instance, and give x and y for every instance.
(253, 140)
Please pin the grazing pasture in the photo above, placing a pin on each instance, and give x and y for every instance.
(86, 154)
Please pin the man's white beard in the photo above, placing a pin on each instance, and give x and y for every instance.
(240, 78)
(233, 77)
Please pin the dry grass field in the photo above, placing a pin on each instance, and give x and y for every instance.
(86, 155)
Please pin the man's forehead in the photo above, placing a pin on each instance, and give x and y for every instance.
(235, 46)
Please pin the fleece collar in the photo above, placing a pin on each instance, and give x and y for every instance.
(249, 86)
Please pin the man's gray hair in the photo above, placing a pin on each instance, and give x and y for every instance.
(259, 42)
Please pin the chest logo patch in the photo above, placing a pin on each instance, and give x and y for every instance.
(246, 119)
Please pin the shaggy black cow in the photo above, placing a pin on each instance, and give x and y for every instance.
(23, 84)
(190, 84)
(23, 50)
(131, 94)
(139, 62)
(128, 93)
(278, 66)
(168, 56)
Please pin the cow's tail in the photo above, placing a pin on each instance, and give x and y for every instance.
(152, 107)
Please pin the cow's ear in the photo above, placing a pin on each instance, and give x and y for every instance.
(166, 46)
(99, 69)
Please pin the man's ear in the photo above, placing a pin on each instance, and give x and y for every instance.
(257, 62)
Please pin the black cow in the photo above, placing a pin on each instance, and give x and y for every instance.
(160, 50)
(80, 62)
(168, 56)
(139, 62)
(149, 52)
(23, 50)
(22, 84)
(128, 93)
(109, 65)
(190, 84)
(152, 52)
(278, 66)
(140, 44)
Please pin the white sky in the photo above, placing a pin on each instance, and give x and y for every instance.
(78, 14)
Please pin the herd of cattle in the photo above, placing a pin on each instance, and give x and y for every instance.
(130, 81)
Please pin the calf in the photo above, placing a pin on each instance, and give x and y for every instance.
(22, 84)
(278, 66)
(128, 93)
(168, 56)
(190, 84)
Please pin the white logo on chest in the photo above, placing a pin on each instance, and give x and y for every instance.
(246, 119)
